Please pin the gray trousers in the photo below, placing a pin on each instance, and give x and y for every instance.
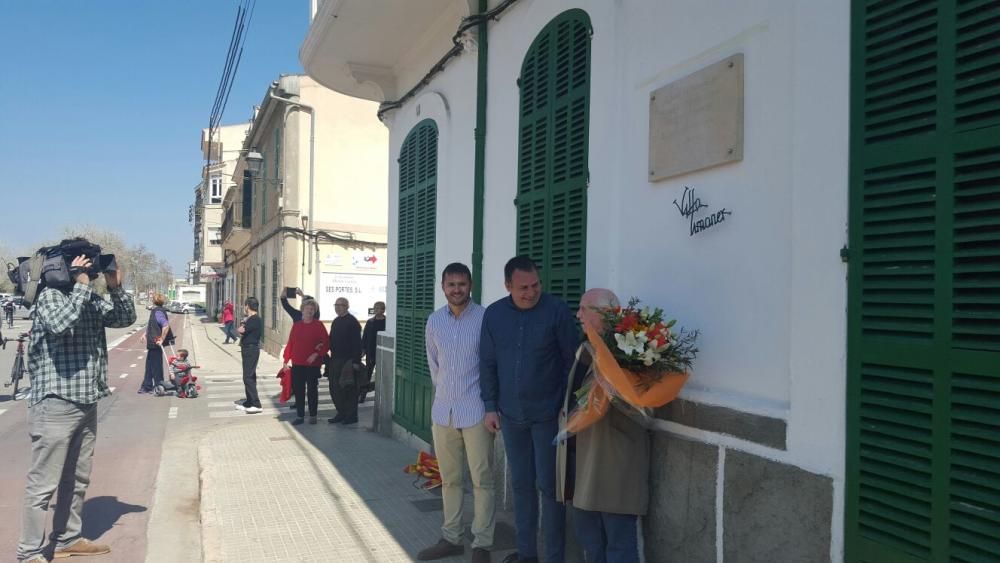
(62, 453)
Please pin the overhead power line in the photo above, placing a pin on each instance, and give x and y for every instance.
(234, 53)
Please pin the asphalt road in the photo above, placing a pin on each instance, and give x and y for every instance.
(130, 434)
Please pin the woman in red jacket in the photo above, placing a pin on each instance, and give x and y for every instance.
(227, 320)
(305, 352)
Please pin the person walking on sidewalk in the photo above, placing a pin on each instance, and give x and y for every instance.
(305, 351)
(345, 363)
(68, 362)
(251, 332)
(157, 335)
(228, 322)
(526, 350)
(369, 341)
(452, 340)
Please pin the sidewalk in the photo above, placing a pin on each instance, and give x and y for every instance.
(275, 492)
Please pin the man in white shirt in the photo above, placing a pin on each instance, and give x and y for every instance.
(452, 339)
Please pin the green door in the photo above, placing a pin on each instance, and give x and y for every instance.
(552, 153)
(415, 277)
(923, 414)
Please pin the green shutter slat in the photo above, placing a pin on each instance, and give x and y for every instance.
(966, 6)
(888, 12)
(893, 531)
(909, 425)
(900, 488)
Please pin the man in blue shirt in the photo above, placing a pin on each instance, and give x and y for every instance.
(452, 340)
(527, 346)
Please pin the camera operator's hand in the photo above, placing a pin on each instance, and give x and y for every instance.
(81, 264)
(114, 279)
(299, 292)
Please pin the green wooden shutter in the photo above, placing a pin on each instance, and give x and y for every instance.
(923, 461)
(415, 277)
(552, 153)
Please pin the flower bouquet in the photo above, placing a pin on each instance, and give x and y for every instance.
(638, 360)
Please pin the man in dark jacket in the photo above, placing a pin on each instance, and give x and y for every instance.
(345, 363)
(527, 347)
(369, 341)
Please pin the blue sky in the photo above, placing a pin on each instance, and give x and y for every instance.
(102, 103)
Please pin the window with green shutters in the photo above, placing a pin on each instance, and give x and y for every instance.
(415, 276)
(552, 153)
(923, 420)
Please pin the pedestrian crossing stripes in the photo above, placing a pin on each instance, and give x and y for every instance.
(220, 390)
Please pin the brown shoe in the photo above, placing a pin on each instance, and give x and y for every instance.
(82, 547)
(443, 548)
(480, 555)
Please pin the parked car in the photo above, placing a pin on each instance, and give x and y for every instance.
(180, 307)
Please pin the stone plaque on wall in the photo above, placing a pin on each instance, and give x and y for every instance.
(696, 122)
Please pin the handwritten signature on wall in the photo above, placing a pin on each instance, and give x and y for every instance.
(689, 206)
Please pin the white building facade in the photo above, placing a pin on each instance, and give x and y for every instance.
(747, 168)
(314, 215)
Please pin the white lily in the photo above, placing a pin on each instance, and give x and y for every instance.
(629, 344)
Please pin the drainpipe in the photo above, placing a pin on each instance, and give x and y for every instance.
(312, 172)
(479, 181)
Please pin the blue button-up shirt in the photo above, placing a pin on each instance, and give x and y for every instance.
(525, 356)
(453, 358)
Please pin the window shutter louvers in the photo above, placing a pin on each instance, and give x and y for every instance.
(924, 298)
(553, 152)
(415, 276)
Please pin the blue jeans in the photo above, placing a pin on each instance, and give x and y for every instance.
(607, 537)
(532, 460)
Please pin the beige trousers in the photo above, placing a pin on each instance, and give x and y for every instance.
(453, 447)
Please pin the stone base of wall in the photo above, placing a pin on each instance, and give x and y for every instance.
(711, 503)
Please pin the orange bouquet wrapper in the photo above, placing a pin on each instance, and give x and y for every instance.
(630, 387)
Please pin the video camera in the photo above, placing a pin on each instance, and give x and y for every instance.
(51, 266)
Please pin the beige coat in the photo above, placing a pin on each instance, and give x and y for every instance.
(612, 459)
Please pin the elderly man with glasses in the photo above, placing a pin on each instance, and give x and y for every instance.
(345, 363)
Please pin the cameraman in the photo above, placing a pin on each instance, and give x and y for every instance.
(68, 362)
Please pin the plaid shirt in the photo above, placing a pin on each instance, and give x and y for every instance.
(68, 351)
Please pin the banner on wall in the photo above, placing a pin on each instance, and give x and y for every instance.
(360, 290)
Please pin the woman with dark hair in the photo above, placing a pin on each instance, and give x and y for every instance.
(157, 335)
(305, 352)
